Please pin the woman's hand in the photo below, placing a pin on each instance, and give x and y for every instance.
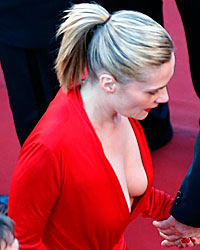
(177, 234)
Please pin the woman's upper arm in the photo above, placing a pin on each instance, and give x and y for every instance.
(35, 188)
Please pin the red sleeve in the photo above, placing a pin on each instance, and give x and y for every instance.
(157, 205)
(34, 190)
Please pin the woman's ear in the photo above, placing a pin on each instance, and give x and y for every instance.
(107, 83)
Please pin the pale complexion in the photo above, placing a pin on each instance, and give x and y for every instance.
(108, 99)
(173, 231)
(108, 105)
(14, 245)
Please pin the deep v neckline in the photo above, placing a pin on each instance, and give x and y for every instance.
(127, 207)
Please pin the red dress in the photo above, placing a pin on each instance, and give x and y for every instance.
(64, 193)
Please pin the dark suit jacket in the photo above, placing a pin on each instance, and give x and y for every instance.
(190, 17)
(30, 23)
(186, 207)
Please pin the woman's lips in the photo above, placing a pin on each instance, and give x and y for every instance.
(148, 110)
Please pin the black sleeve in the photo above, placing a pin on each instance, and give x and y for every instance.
(186, 207)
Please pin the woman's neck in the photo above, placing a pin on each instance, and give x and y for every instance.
(98, 107)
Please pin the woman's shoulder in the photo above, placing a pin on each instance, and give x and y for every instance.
(63, 124)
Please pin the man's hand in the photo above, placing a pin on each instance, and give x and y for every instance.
(177, 234)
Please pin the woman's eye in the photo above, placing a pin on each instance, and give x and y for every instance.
(152, 93)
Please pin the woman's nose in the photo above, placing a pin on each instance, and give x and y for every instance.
(163, 96)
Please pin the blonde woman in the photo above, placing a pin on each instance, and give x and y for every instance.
(85, 172)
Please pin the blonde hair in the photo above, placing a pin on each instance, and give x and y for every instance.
(123, 44)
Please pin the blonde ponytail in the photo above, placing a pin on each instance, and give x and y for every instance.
(72, 57)
(125, 44)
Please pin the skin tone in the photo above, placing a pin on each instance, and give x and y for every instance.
(13, 246)
(173, 231)
(111, 100)
(108, 105)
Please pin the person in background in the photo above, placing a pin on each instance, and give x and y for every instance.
(7, 234)
(184, 223)
(28, 50)
(190, 18)
(85, 172)
(27, 53)
(4, 204)
(183, 226)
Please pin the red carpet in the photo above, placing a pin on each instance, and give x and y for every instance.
(170, 162)
(9, 145)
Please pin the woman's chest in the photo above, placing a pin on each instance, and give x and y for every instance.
(123, 153)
